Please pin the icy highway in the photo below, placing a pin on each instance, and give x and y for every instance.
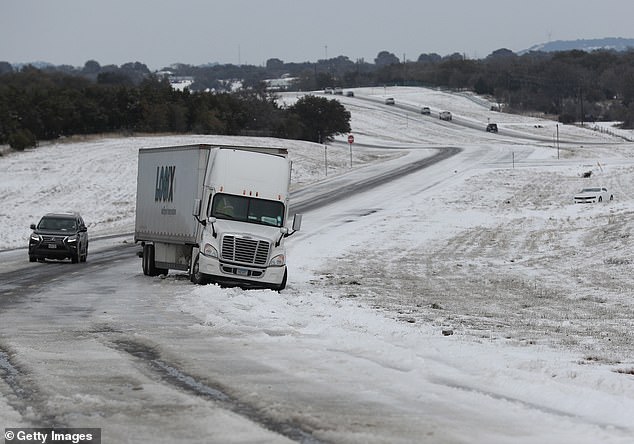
(435, 294)
(102, 346)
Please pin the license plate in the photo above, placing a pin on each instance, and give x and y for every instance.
(52, 246)
(242, 272)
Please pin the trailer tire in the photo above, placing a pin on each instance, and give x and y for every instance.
(196, 276)
(148, 262)
(144, 261)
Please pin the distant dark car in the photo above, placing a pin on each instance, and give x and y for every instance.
(349, 93)
(59, 236)
(425, 110)
(492, 128)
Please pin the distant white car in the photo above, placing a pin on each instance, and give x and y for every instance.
(444, 115)
(389, 101)
(593, 195)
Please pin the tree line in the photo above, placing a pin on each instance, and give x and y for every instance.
(54, 101)
(38, 105)
(571, 86)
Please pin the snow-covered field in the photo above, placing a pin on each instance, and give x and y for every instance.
(98, 179)
(474, 283)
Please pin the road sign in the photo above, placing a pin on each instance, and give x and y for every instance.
(350, 141)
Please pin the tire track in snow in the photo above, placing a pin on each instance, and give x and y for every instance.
(171, 374)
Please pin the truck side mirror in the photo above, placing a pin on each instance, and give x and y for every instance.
(196, 209)
(196, 212)
(212, 221)
(297, 222)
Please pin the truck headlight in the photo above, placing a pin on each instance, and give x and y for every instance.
(71, 239)
(36, 238)
(210, 251)
(278, 261)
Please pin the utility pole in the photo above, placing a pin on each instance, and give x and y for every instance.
(581, 99)
(557, 141)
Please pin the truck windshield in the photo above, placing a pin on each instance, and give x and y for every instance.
(247, 209)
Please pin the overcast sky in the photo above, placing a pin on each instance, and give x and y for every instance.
(159, 33)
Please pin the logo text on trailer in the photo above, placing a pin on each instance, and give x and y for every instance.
(164, 191)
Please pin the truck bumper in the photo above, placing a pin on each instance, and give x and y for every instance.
(231, 274)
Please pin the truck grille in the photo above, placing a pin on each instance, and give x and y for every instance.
(245, 251)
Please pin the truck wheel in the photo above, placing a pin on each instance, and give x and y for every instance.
(196, 276)
(282, 286)
(74, 258)
(32, 258)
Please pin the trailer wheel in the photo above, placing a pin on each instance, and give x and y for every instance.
(145, 260)
(148, 262)
(196, 276)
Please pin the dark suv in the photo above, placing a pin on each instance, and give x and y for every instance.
(59, 236)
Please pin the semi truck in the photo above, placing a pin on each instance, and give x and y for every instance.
(217, 212)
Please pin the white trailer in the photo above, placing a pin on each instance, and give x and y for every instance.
(217, 212)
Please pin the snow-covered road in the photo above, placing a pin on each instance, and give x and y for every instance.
(468, 302)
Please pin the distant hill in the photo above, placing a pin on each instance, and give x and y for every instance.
(610, 43)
